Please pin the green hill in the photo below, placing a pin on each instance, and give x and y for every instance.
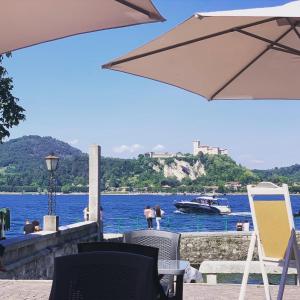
(22, 164)
(22, 168)
(289, 175)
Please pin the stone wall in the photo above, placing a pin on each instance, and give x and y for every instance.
(199, 246)
(32, 256)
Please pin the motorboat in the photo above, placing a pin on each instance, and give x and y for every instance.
(204, 204)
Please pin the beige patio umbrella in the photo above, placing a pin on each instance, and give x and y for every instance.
(240, 54)
(27, 22)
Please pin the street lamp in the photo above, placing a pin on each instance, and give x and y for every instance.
(51, 163)
(51, 220)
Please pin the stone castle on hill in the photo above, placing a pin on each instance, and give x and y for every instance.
(197, 148)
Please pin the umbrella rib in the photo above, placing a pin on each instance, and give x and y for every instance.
(111, 64)
(249, 64)
(273, 43)
(286, 51)
(297, 32)
(294, 27)
(137, 8)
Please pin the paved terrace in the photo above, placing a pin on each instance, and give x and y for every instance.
(40, 290)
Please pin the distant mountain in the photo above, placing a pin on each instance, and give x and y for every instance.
(34, 147)
(22, 168)
(22, 164)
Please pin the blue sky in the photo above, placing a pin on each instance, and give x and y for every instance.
(68, 96)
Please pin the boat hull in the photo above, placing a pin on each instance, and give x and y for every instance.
(196, 208)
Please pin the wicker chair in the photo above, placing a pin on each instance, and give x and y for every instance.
(131, 248)
(167, 242)
(103, 275)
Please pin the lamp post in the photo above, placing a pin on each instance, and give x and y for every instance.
(51, 163)
(51, 220)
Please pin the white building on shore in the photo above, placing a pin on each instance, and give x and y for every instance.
(198, 148)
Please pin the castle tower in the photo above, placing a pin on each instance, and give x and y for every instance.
(196, 146)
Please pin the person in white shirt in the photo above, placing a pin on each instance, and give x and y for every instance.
(86, 214)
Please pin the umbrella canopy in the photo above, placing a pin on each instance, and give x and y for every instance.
(241, 54)
(25, 23)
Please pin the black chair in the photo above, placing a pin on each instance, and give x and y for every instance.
(130, 248)
(103, 276)
(167, 242)
(118, 247)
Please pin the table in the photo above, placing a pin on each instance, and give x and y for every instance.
(177, 268)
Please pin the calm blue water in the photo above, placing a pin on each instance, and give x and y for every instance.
(125, 212)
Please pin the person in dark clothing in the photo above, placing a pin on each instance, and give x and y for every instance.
(2, 268)
(36, 225)
(28, 227)
(239, 226)
(101, 230)
(158, 215)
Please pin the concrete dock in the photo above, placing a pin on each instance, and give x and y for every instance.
(40, 290)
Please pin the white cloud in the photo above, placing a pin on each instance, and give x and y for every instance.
(73, 142)
(128, 148)
(135, 148)
(121, 149)
(245, 156)
(159, 147)
(257, 161)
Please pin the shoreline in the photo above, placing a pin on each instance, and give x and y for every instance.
(125, 194)
(112, 193)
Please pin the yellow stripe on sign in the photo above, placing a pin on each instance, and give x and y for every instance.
(273, 227)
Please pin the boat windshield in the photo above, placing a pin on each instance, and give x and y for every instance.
(206, 200)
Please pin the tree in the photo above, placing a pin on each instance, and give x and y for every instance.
(221, 189)
(10, 112)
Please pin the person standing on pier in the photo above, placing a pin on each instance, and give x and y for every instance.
(2, 268)
(101, 228)
(86, 214)
(148, 213)
(158, 215)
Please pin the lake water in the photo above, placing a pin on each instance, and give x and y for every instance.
(125, 212)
